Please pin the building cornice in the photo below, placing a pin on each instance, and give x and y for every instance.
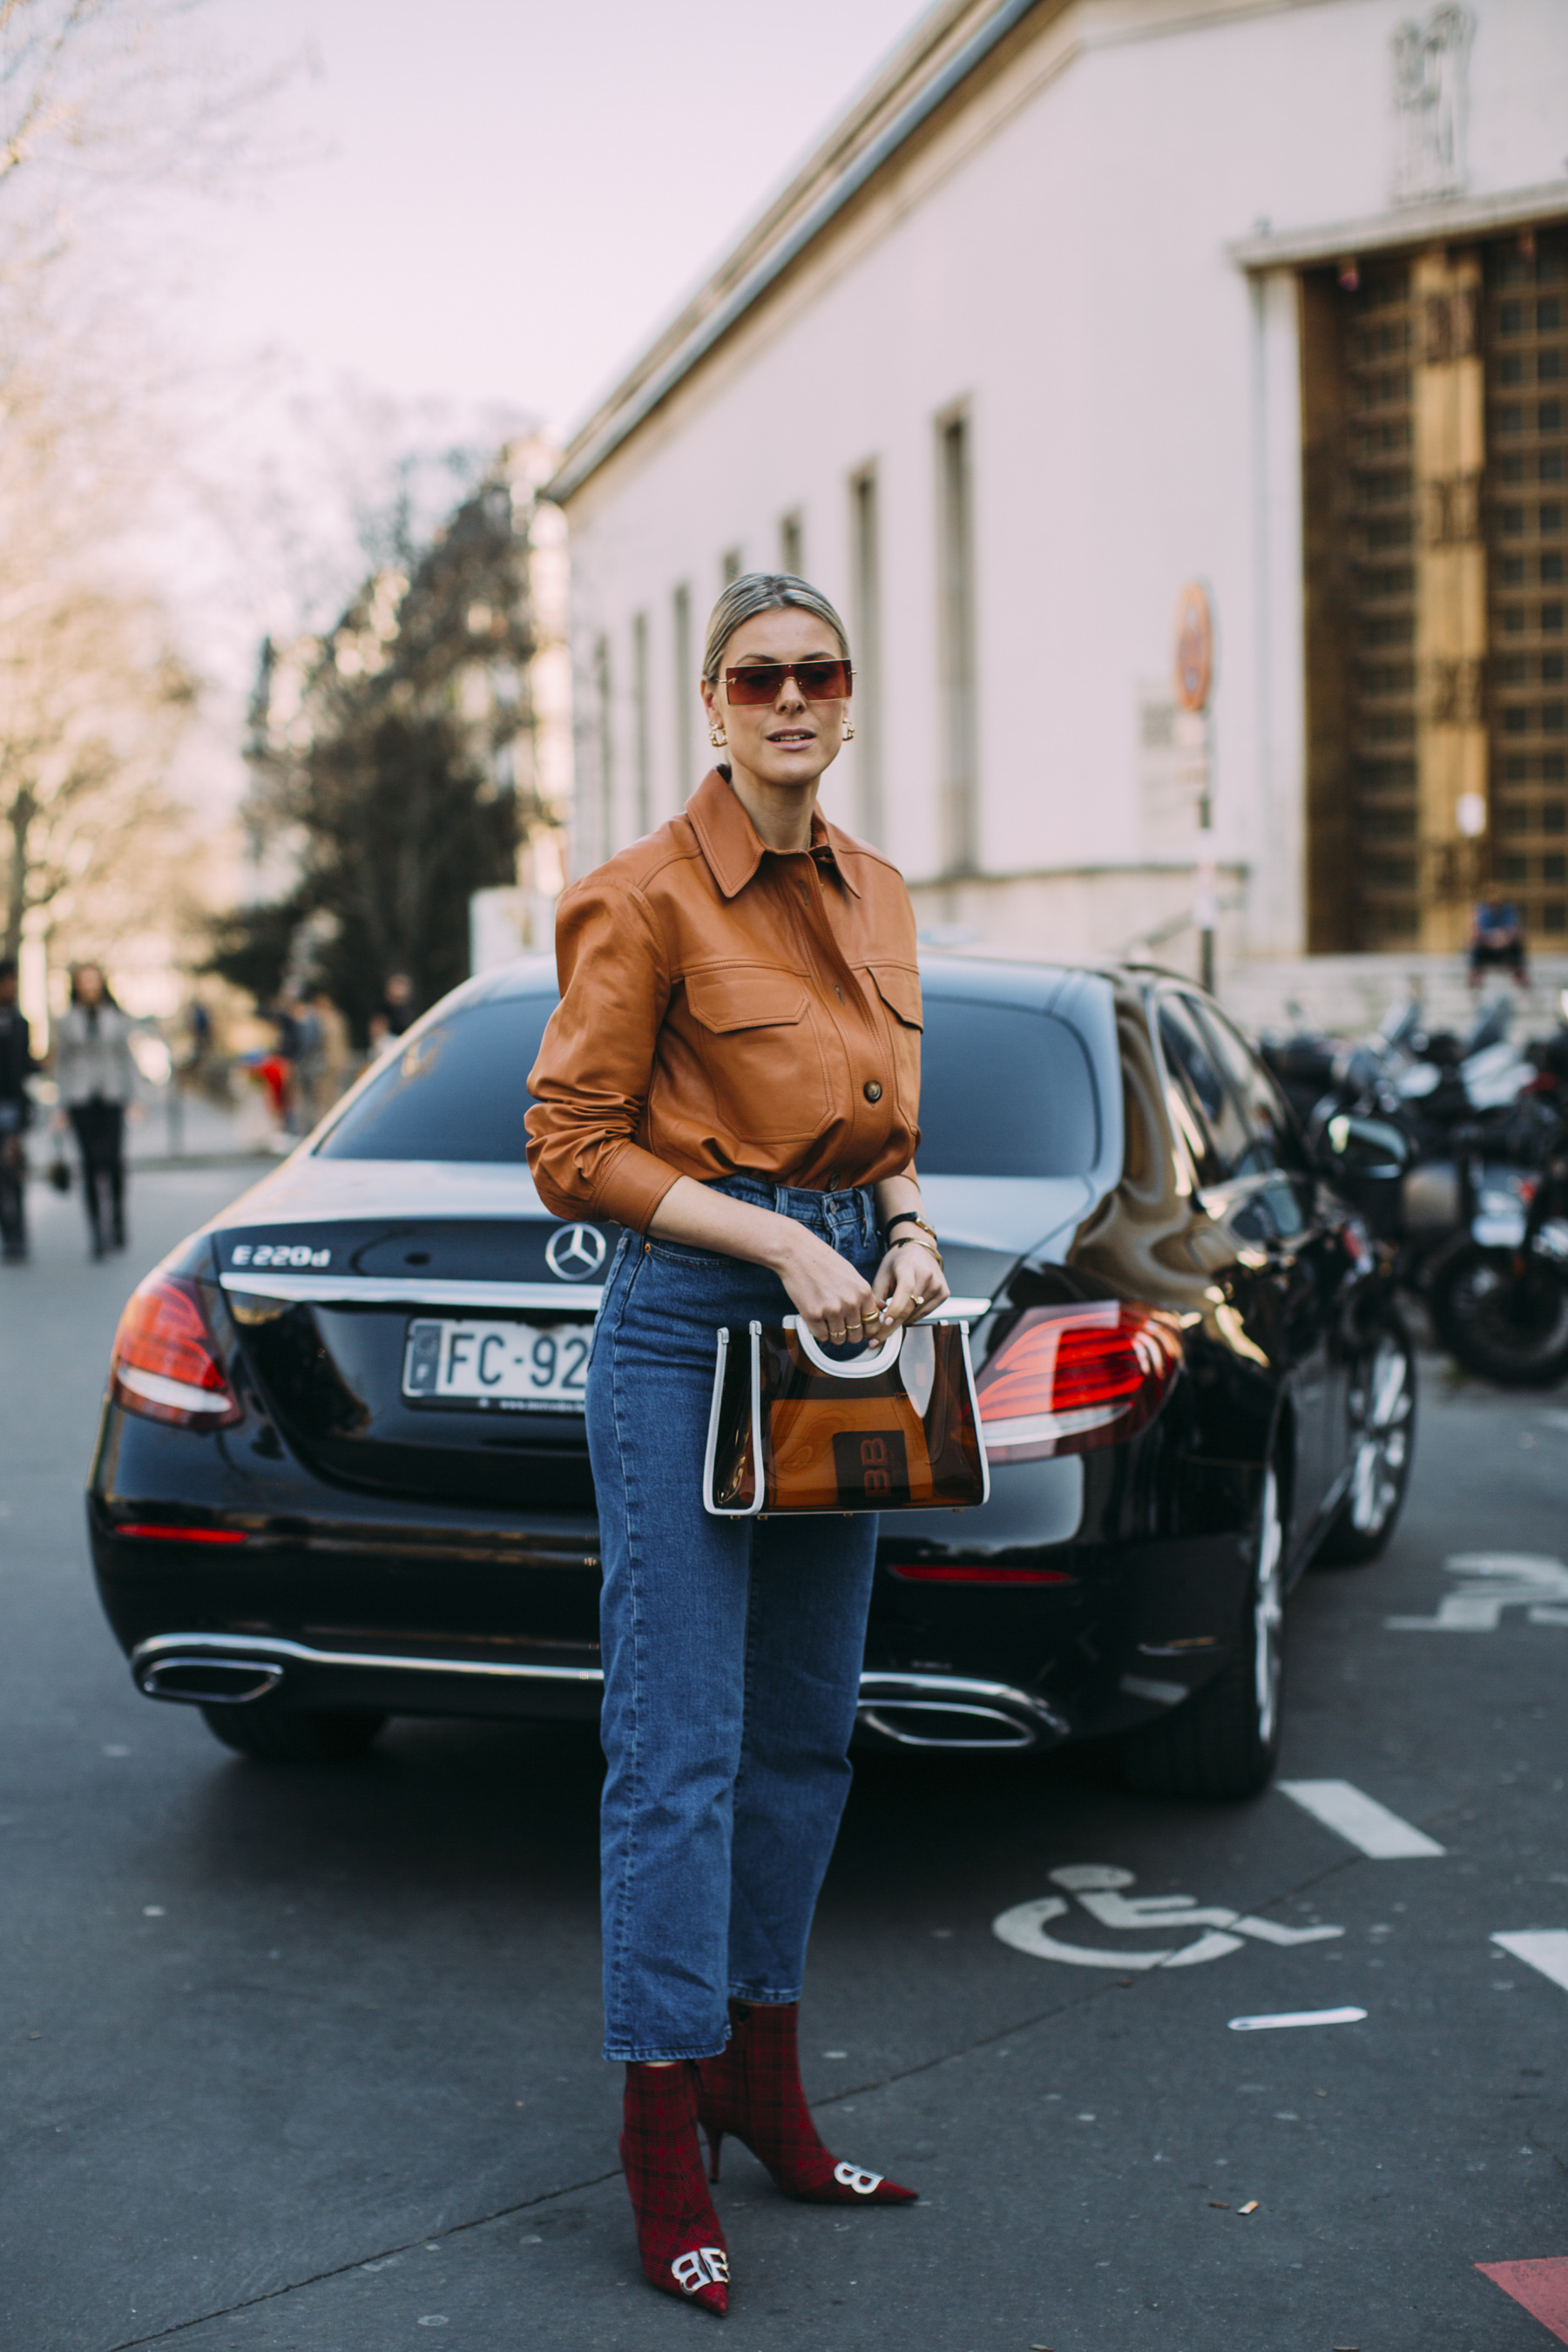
(778, 241)
(1432, 223)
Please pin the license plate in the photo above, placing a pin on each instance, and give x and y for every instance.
(498, 1367)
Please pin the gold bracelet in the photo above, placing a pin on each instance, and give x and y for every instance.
(929, 1246)
(911, 1217)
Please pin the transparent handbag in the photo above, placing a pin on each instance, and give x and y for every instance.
(894, 1429)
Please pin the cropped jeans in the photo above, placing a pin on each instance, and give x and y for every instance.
(731, 1655)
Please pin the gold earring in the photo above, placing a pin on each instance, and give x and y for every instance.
(849, 730)
(716, 736)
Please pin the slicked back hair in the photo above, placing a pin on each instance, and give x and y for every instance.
(764, 592)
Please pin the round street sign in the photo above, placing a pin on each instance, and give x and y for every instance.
(1195, 647)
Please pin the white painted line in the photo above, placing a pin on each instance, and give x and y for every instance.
(1359, 1819)
(1545, 1948)
(1297, 2017)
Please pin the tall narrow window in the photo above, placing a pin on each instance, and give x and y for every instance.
(730, 564)
(866, 648)
(641, 746)
(605, 748)
(792, 545)
(956, 562)
(685, 689)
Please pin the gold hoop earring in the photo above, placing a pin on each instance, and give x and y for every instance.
(716, 736)
(849, 730)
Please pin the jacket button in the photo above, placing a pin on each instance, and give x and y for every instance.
(872, 1090)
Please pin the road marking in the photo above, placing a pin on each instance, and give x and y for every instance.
(1545, 1948)
(1540, 2286)
(1098, 1887)
(1496, 1581)
(1359, 1819)
(1297, 2017)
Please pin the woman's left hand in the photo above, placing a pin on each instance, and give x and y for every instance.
(910, 1283)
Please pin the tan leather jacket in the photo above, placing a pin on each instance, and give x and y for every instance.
(724, 1007)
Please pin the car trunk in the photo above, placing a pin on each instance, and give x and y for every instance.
(429, 1357)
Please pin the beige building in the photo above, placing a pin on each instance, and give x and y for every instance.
(1080, 301)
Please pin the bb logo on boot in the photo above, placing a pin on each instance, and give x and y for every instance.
(850, 2177)
(704, 2266)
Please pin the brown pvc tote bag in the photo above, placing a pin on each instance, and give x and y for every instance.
(895, 1429)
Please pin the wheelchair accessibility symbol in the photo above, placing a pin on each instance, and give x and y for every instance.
(1098, 1887)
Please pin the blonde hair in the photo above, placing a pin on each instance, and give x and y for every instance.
(764, 592)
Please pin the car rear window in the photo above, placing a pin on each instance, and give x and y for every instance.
(1004, 1092)
(457, 1091)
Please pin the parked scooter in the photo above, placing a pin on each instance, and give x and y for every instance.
(1499, 1293)
(1447, 1146)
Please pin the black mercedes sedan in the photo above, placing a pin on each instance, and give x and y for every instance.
(342, 1471)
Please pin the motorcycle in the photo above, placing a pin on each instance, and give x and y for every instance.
(1458, 1162)
(1499, 1294)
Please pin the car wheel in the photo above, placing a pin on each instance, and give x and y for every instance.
(266, 1731)
(1224, 1740)
(1383, 1446)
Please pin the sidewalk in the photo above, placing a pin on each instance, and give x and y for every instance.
(193, 1131)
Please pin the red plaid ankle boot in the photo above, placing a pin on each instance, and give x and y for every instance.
(753, 2090)
(678, 2237)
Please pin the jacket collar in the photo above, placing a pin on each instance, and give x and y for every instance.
(731, 846)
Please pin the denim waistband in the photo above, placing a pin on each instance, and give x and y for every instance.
(850, 1214)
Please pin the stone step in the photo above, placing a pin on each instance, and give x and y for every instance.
(1349, 994)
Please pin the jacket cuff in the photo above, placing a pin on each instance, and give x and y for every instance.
(629, 1185)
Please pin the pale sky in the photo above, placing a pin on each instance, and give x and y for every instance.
(510, 195)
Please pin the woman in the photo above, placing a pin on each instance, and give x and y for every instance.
(732, 1075)
(96, 1080)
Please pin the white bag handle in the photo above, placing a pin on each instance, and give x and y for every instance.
(863, 1367)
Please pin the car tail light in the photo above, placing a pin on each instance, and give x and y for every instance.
(164, 1362)
(1066, 1380)
(180, 1535)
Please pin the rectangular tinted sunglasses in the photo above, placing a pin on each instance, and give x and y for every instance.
(819, 681)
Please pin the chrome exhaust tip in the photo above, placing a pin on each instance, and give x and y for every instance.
(936, 1710)
(942, 1723)
(207, 1682)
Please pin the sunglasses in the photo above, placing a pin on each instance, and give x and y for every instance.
(819, 681)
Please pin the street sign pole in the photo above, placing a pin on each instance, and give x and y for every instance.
(1194, 738)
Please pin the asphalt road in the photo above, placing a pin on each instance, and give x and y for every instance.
(306, 2061)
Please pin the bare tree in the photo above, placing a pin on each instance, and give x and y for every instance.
(93, 700)
(99, 99)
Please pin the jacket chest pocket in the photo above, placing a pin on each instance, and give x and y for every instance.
(898, 985)
(757, 1037)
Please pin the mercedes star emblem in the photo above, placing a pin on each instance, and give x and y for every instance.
(575, 1253)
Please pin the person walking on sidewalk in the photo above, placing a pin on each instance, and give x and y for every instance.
(17, 1065)
(96, 1080)
(732, 1075)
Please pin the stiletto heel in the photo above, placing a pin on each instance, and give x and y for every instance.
(678, 2237)
(715, 2142)
(753, 2090)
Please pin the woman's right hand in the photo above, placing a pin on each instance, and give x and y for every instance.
(836, 1305)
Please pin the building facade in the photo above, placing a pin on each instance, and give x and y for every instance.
(1081, 301)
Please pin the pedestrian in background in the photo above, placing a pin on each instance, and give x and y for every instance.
(337, 1048)
(1497, 936)
(394, 1013)
(199, 1032)
(97, 1081)
(17, 1065)
(308, 1103)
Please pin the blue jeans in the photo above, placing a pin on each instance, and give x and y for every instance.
(731, 1653)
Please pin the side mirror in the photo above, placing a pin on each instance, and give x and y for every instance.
(1365, 1149)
